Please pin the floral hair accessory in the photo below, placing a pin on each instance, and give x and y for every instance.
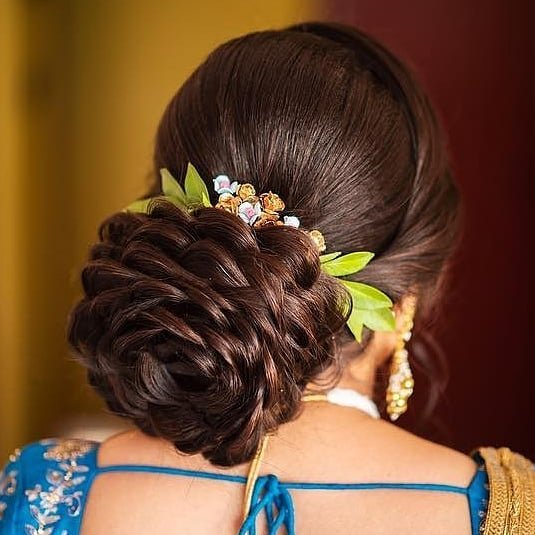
(370, 307)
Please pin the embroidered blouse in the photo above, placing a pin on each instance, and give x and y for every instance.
(44, 488)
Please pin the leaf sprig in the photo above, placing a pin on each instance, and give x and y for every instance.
(194, 194)
(370, 307)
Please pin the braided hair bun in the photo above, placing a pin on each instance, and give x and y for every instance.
(202, 330)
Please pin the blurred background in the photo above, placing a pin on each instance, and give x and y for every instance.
(82, 87)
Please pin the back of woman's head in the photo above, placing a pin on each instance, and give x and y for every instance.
(204, 330)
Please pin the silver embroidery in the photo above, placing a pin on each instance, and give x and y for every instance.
(8, 485)
(63, 480)
(15, 455)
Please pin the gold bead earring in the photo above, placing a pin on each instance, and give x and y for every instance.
(401, 382)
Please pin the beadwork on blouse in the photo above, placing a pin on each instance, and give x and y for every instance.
(62, 490)
(8, 486)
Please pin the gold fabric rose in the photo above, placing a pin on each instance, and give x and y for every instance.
(318, 239)
(229, 203)
(267, 219)
(244, 191)
(271, 202)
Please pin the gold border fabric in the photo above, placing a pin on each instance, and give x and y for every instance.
(511, 507)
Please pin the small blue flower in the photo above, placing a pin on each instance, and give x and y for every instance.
(222, 184)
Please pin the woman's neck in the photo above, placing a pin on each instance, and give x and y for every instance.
(359, 375)
(360, 372)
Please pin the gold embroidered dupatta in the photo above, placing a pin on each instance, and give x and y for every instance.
(511, 507)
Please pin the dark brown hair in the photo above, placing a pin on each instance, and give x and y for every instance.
(205, 331)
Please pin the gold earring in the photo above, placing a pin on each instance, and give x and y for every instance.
(401, 382)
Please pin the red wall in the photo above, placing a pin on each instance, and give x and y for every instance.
(475, 59)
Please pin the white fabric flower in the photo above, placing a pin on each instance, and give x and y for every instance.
(249, 212)
(291, 221)
(222, 184)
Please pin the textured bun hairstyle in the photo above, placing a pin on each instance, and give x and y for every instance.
(205, 331)
(202, 330)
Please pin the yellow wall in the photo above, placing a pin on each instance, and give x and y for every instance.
(12, 404)
(83, 86)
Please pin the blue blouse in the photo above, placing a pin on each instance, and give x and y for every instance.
(44, 489)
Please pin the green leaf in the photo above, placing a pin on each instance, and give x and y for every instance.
(379, 319)
(326, 257)
(139, 206)
(367, 297)
(195, 187)
(205, 200)
(347, 264)
(171, 188)
(173, 200)
(355, 323)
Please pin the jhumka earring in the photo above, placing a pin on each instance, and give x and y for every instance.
(401, 382)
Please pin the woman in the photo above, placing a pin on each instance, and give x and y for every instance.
(306, 212)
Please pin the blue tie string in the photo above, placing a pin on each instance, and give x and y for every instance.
(272, 497)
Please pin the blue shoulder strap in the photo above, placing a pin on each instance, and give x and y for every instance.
(478, 494)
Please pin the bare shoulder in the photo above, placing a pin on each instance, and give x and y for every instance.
(414, 458)
(351, 448)
(432, 460)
